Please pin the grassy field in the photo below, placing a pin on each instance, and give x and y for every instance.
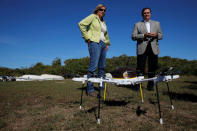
(54, 105)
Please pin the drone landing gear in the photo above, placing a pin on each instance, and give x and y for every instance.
(161, 121)
(169, 93)
(99, 103)
(142, 97)
(105, 90)
(80, 107)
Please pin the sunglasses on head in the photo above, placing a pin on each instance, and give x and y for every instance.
(102, 10)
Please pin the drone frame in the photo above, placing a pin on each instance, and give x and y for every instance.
(156, 80)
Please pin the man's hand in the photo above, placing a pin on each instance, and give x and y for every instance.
(147, 35)
(154, 34)
(151, 35)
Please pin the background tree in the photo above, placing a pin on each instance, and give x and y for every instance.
(80, 66)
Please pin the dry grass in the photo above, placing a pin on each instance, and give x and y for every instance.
(54, 105)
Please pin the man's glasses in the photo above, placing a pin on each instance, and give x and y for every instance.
(146, 13)
(102, 10)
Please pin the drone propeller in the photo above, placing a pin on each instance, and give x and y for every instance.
(169, 71)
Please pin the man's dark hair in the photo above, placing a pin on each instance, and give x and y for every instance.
(144, 10)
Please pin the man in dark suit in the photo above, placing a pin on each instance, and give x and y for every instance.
(147, 33)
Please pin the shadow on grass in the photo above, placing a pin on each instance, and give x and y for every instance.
(192, 82)
(192, 87)
(184, 96)
(116, 103)
(131, 87)
(153, 102)
(93, 110)
(84, 88)
(140, 112)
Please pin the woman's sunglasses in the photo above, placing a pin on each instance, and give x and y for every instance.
(102, 10)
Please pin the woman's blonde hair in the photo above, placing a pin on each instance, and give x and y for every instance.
(98, 7)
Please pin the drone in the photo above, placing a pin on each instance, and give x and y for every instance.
(164, 76)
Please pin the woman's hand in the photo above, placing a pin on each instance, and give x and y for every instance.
(88, 42)
(107, 47)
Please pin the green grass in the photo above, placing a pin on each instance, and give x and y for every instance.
(54, 105)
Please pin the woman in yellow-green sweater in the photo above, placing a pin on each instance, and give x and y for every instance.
(94, 31)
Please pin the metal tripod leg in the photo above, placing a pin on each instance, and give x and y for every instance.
(105, 90)
(141, 93)
(80, 107)
(99, 106)
(161, 121)
(169, 93)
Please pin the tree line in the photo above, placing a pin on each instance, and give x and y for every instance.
(80, 66)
